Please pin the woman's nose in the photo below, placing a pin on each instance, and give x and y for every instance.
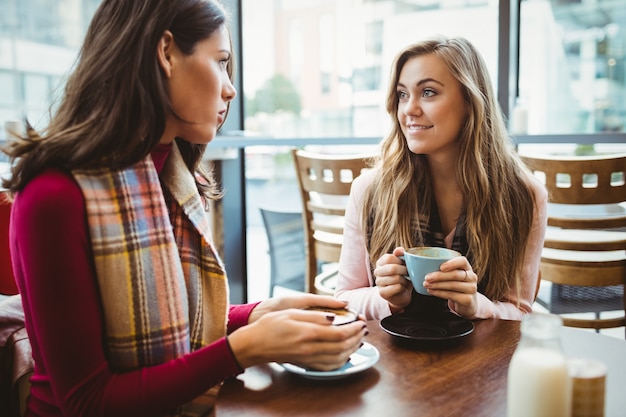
(229, 92)
(412, 107)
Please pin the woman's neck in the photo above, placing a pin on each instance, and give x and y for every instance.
(159, 155)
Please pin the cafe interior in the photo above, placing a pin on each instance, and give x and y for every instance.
(311, 79)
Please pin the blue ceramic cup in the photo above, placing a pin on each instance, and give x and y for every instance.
(421, 261)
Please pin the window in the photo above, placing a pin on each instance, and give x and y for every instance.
(337, 54)
(326, 52)
(319, 69)
(573, 66)
(7, 89)
(33, 32)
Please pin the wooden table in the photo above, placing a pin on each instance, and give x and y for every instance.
(467, 378)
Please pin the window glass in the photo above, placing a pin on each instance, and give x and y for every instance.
(572, 76)
(36, 94)
(36, 89)
(39, 40)
(333, 58)
(7, 89)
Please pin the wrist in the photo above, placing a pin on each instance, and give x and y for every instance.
(230, 348)
(243, 351)
(260, 309)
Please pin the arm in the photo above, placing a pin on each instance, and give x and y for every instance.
(355, 283)
(239, 315)
(508, 308)
(53, 264)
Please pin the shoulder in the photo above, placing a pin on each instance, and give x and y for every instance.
(538, 189)
(50, 193)
(363, 181)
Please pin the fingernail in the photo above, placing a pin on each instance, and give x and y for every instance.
(367, 332)
(330, 318)
(364, 326)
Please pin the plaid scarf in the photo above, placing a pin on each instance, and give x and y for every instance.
(162, 285)
(432, 232)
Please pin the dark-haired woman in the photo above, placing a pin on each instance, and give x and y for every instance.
(125, 297)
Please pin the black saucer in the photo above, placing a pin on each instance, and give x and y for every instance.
(439, 327)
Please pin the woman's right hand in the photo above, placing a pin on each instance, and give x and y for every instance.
(304, 338)
(390, 279)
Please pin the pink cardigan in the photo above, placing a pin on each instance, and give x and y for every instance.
(355, 283)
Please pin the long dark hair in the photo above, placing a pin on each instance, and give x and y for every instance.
(113, 110)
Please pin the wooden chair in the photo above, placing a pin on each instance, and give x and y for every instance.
(285, 237)
(584, 254)
(325, 182)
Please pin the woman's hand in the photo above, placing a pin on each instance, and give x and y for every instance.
(457, 282)
(302, 337)
(299, 301)
(390, 278)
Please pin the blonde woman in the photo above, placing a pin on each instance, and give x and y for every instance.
(446, 176)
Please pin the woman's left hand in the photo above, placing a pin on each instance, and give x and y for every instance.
(457, 282)
(298, 301)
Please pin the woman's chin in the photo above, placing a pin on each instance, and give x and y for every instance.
(203, 138)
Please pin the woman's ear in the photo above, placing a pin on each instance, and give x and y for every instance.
(164, 52)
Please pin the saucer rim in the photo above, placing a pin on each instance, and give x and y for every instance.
(373, 355)
(453, 317)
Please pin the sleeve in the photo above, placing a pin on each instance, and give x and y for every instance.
(52, 258)
(238, 315)
(508, 309)
(355, 283)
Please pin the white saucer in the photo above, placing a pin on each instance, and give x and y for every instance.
(362, 359)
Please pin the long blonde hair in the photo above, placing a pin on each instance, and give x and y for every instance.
(494, 182)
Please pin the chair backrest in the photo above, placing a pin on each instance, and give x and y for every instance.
(7, 280)
(583, 181)
(325, 182)
(584, 254)
(285, 237)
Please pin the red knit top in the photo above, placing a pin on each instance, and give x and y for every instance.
(53, 265)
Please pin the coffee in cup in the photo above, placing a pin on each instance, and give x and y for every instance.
(342, 315)
(423, 260)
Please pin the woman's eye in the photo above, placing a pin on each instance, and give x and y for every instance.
(428, 92)
(402, 95)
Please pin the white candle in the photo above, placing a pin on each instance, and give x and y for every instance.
(538, 384)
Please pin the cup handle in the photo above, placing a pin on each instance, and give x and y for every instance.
(403, 261)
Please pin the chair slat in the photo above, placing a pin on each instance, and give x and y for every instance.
(591, 276)
(585, 240)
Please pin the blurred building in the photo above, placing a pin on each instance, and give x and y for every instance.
(39, 41)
